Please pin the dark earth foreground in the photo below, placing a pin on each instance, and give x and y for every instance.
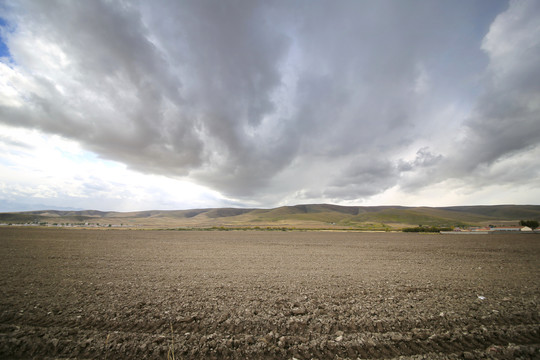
(136, 294)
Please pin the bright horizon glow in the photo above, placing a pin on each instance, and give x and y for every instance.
(57, 171)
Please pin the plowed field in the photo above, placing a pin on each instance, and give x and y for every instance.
(144, 294)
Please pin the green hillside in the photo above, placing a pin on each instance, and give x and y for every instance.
(306, 215)
(513, 212)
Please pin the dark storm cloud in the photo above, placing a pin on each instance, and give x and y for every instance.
(364, 178)
(116, 85)
(424, 158)
(243, 95)
(167, 89)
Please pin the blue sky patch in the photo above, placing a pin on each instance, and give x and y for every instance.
(4, 51)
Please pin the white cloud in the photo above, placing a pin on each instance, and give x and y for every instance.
(44, 169)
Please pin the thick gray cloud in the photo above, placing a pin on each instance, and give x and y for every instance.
(262, 100)
(501, 137)
(506, 117)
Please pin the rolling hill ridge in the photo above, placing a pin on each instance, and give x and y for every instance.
(297, 216)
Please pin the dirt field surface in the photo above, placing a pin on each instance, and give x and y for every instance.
(113, 294)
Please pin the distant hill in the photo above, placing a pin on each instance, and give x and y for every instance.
(298, 216)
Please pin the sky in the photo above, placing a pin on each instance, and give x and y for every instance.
(137, 105)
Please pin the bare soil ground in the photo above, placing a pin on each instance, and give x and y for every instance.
(277, 295)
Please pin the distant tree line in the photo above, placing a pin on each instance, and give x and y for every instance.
(533, 224)
(427, 229)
